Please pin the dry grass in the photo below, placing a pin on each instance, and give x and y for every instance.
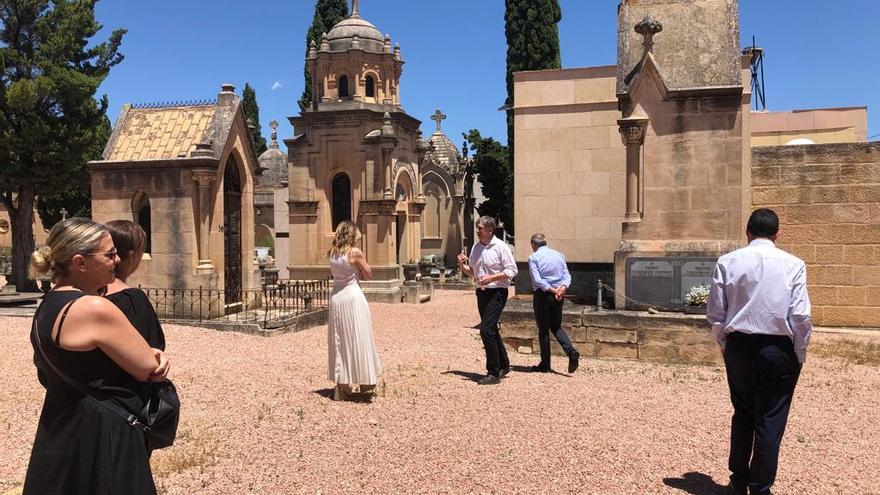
(866, 352)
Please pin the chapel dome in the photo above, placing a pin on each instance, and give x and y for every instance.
(443, 152)
(343, 34)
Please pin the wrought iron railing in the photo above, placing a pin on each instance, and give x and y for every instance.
(270, 307)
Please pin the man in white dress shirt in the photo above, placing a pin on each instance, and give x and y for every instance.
(760, 315)
(491, 264)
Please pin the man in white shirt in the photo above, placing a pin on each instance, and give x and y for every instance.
(491, 264)
(760, 314)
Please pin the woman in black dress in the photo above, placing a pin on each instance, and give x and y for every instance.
(82, 446)
(130, 241)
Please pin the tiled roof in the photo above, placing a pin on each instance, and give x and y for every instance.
(160, 133)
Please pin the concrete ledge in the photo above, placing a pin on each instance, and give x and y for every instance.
(278, 327)
(635, 335)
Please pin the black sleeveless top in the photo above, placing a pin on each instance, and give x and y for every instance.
(94, 369)
(136, 306)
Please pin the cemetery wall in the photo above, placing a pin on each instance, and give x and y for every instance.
(828, 200)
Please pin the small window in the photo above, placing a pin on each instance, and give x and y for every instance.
(142, 214)
(343, 86)
(371, 87)
(341, 199)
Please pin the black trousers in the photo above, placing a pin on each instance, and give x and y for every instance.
(548, 315)
(490, 303)
(762, 371)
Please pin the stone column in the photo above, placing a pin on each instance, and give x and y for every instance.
(204, 178)
(632, 132)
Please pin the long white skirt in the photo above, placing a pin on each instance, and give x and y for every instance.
(352, 356)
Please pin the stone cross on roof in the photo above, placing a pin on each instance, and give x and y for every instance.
(63, 213)
(438, 117)
(274, 126)
(648, 27)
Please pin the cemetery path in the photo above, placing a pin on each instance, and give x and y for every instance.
(257, 418)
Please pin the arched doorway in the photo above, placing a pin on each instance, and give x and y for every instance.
(341, 205)
(232, 232)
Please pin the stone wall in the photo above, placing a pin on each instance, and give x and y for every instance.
(828, 200)
(663, 338)
(570, 162)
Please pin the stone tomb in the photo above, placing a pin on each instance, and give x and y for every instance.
(664, 282)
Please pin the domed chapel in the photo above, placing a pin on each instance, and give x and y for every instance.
(355, 155)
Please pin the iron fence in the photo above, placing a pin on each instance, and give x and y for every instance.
(270, 307)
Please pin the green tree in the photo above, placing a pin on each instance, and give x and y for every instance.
(328, 13)
(252, 115)
(76, 201)
(491, 161)
(50, 69)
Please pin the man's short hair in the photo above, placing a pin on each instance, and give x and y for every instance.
(539, 239)
(763, 223)
(487, 222)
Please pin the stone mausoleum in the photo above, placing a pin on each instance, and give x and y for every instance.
(185, 173)
(644, 172)
(355, 155)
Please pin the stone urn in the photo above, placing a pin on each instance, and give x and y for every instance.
(410, 270)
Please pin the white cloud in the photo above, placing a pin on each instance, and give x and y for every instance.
(277, 85)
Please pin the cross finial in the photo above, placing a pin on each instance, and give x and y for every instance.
(274, 126)
(354, 8)
(63, 213)
(438, 117)
(648, 27)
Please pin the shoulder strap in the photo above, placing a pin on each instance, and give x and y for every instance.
(129, 418)
(61, 321)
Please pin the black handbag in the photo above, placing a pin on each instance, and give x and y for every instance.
(160, 415)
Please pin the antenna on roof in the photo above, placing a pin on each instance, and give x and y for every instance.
(756, 55)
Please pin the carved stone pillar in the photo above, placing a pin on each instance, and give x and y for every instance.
(632, 132)
(204, 178)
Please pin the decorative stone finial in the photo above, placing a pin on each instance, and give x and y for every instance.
(648, 27)
(325, 43)
(387, 44)
(354, 8)
(438, 117)
(387, 128)
(274, 142)
(227, 88)
(313, 49)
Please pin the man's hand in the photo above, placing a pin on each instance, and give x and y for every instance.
(462, 259)
(164, 366)
(560, 292)
(488, 279)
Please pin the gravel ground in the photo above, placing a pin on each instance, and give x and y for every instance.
(257, 418)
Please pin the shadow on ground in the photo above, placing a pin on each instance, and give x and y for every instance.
(465, 375)
(528, 369)
(695, 484)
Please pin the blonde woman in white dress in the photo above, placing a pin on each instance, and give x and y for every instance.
(352, 357)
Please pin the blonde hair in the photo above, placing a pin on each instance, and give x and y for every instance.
(66, 239)
(347, 237)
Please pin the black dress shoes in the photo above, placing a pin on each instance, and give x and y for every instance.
(489, 380)
(573, 361)
(504, 372)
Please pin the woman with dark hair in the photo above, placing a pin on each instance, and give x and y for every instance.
(352, 356)
(130, 241)
(87, 356)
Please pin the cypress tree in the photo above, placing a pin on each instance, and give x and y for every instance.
(328, 13)
(50, 122)
(252, 115)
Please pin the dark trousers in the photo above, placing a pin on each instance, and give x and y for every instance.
(490, 302)
(548, 315)
(762, 371)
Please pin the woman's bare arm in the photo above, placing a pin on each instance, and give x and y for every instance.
(357, 258)
(95, 322)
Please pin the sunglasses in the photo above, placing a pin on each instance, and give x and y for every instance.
(111, 255)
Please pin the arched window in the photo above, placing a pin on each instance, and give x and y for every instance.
(341, 199)
(343, 86)
(141, 212)
(371, 87)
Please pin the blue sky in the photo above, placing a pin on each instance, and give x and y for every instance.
(818, 54)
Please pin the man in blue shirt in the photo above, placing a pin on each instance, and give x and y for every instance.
(550, 281)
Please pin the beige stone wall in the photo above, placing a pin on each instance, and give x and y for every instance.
(570, 162)
(822, 126)
(828, 201)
